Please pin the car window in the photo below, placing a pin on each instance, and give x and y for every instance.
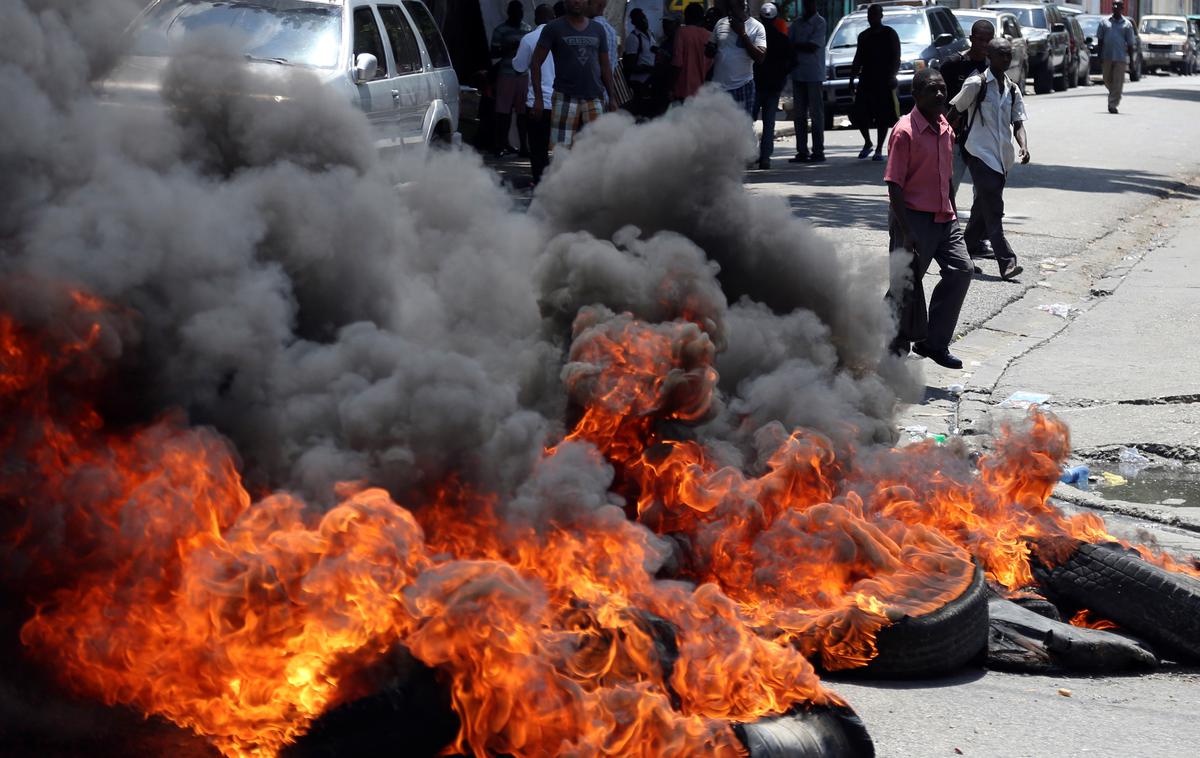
(910, 27)
(1163, 26)
(1030, 16)
(368, 40)
(404, 42)
(434, 44)
(283, 31)
(1089, 25)
(1011, 28)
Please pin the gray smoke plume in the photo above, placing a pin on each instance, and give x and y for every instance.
(341, 316)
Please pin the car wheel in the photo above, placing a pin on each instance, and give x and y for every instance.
(1043, 79)
(1061, 82)
(1071, 77)
(807, 730)
(1135, 73)
(1024, 76)
(1085, 76)
(828, 120)
(1151, 603)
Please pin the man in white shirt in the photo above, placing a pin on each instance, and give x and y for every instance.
(738, 42)
(596, 10)
(539, 129)
(995, 113)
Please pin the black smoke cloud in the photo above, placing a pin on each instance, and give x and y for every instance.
(344, 316)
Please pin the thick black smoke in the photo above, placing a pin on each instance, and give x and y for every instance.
(345, 316)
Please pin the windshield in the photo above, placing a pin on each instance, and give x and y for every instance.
(910, 27)
(1027, 16)
(1163, 26)
(1090, 24)
(287, 31)
(967, 20)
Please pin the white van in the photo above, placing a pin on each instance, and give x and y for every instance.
(387, 57)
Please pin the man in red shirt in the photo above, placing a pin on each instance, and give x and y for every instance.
(690, 62)
(923, 224)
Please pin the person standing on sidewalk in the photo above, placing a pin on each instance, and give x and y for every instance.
(955, 69)
(995, 113)
(923, 226)
(539, 128)
(738, 42)
(876, 63)
(689, 59)
(640, 50)
(1115, 37)
(511, 85)
(769, 77)
(807, 41)
(582, 73)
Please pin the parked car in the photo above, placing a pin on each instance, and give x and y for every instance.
(1169, 43)
(1008, 27)
(1045, 30)
(388, 58)
(1194, 26)
(1090, 23)
(1081, 57)
(927, 34)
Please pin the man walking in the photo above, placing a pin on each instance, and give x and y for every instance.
(510, 83)
(769, 77)
(995, 113)
(640, 51)
(923, 225)
(738, 42)
(955, 69)
(807, 40)
(689, 59)
(582, 73)
(539, 128)
(876, 63)
(1115, 36)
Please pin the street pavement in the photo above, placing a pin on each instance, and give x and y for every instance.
(1104, 221)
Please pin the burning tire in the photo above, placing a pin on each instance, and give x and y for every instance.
(808, 731)
(935, 643)
(1152, 603)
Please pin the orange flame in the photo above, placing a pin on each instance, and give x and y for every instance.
(1085, 619)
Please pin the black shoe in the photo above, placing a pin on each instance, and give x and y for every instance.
(764, 164)
(899, 347)
(816, 158)
(941, 357)
(1012, 273)
(978, 270)
(981, 252)
(799, 158)
(1112, 110)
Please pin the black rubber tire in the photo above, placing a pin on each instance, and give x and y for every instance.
(1071, 76)
(808, 732)
(1151, 603)
(1043, 80)
(1135, 74)
(936, 643)
(1023, 84)
(1061, 82)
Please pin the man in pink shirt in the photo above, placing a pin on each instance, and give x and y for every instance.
(923, 224)
(689, 60)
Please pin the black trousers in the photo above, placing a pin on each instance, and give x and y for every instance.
(987, 212)
(942, 242)
(539, 144)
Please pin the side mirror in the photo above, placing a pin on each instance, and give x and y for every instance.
(365, 68)
(1088, 40)
(943, 39)
(1058, 28)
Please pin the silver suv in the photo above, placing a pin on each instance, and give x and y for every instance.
(927, 34)
(388, 58)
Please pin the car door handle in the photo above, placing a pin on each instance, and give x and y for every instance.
(396, 95)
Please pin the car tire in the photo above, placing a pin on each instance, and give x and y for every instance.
(1043, 79)
(828, 121)
(1023, 84)
(1151, 603)
(807, 731)
(1061, 82)
(1071, 76)
(1135, 73)
(935, 643)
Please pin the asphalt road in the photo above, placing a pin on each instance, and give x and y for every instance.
(1105, 221)
(1089, 170)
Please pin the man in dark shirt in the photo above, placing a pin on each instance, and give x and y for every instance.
(511, 85)
(770, 74)
(582, 73)
(955, 69)
(876, 62)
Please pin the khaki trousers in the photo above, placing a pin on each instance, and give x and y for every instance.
(1114, 79)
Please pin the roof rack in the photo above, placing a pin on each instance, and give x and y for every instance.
(896, 3)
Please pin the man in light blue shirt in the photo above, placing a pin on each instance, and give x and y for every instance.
(1115, 36)
(807, 37)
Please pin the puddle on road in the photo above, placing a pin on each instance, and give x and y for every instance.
(1172, 486)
